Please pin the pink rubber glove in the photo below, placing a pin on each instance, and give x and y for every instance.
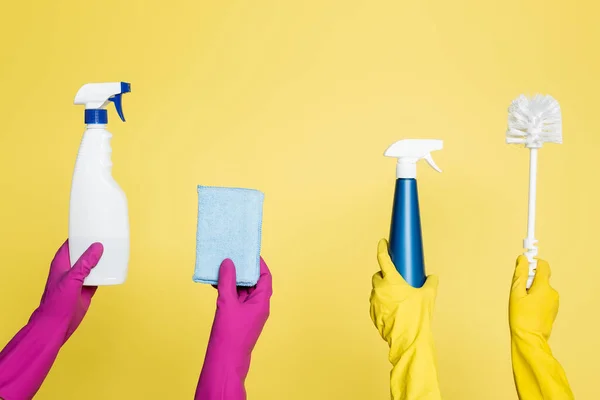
(28, 357)
(240, 317)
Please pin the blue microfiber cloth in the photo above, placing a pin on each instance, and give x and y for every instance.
(229, 226)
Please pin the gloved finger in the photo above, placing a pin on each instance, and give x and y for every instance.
(519, 281)
(88, 260)
(227, 280)
(372, 311)
(376, 314)
(87, 293)
(431, 284)
(264, 287)
(243, 294)
(59, 266)
(385, 262)
(542, 276)
(377, 279)
(61, 263)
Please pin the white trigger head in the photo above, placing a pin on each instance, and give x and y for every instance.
(409, 152)
(431, 162)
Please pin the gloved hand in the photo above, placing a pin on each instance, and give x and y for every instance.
(28, 357)
(402, 315)
(538, 375)
(240, 317)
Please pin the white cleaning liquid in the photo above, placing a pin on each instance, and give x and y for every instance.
(98, 206)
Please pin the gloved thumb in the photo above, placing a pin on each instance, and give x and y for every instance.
(388, 270)
(88, 260)
(227, 280)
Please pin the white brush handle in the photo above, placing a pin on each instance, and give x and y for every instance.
(530, 242)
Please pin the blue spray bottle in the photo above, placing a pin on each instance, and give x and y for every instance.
(406, 243)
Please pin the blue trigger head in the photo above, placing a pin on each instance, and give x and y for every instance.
(117, 99)
(118, 105)
(125, 87)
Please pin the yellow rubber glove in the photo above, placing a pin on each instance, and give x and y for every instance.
(538, 375)
(402, 315)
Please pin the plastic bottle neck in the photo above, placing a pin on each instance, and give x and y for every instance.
(95, 126)
(406, 170)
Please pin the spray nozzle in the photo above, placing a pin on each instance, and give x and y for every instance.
(409, 151)
(96, 96)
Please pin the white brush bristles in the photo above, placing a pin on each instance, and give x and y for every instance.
(534, 121)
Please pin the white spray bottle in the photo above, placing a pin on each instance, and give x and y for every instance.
(98, 206)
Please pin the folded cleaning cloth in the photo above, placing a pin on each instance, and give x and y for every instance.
(229, 226)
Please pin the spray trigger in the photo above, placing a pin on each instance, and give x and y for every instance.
(117, 100)
(432, 163)
(96, 96)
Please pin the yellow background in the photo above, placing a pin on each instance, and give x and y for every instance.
(300, 99)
